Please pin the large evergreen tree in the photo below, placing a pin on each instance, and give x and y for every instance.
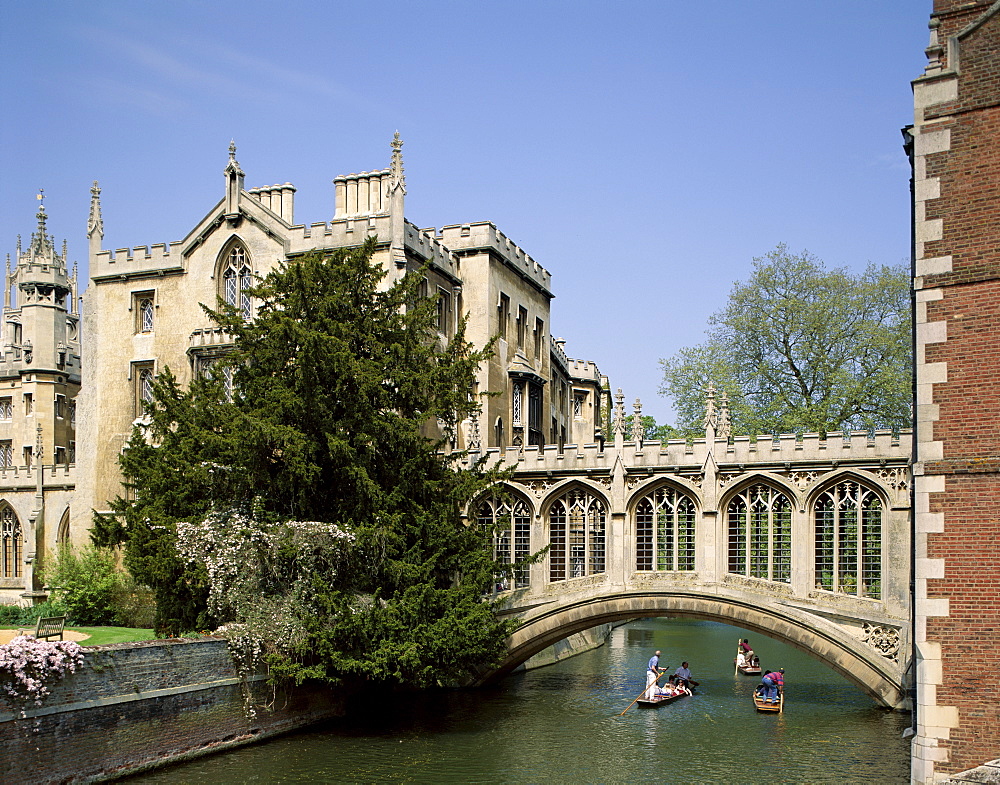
(295, 491)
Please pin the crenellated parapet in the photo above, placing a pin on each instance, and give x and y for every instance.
(140, 260)
(483, 236)
(744, 451)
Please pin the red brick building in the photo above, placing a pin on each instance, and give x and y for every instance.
(956, 184)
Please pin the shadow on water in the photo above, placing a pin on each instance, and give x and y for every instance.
(561, 724)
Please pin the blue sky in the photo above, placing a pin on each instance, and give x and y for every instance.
(642, 152)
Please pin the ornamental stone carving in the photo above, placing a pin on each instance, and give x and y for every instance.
(884, 639)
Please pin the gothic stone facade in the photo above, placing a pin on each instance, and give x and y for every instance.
(39, 382)
(143, 312)
(956, 172)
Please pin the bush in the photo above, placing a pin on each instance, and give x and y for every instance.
(26, 615)
(91, 586)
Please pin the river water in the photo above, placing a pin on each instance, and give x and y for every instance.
(561, 724)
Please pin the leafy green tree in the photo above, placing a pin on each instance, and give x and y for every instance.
(321, 450)
(800, 348)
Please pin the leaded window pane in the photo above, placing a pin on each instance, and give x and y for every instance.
(510, 520)
(146, 385)
(146, 315)
(577, 536)
(760, 542)
(665, 526)
(11, 544)
(848, 532)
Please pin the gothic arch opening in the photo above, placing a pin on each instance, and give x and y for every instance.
(664, 517)
(507, 514)
(848, 516)
(758, 520)
(234, 274)
(576, 522)
(11, 543)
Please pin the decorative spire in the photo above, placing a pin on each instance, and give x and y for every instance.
(95, 225)
(725, 427)
(637, 428)
(41, 243)
(711, 416)
(398, 178)
(618, 423)
(233, 167)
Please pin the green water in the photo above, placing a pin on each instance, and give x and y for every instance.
(561, 724)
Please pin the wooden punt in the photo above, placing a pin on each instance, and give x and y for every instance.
(749, 670)
(660, 700)
(763, 705)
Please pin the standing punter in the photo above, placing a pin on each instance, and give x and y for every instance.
(653, 671)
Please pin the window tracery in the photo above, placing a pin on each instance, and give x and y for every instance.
(510, 520)
(576, 524)
(848, 520)
(11, 544)
(665, 531)
(760, 533)
(237, 280)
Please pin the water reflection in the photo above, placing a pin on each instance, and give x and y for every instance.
(561, 724)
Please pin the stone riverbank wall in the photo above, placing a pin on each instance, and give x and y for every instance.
(133, 706)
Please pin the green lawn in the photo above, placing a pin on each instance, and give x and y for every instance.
(102, 635)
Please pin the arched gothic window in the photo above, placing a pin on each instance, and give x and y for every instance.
(11, 544)
(510, 520)
(848, 520)
(664, 531)
(62, 535)
(760, 534)
(576, 535)
(237, 280)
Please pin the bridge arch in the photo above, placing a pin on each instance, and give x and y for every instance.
(851, 658)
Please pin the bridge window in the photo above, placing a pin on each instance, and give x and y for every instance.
(11, 544)
(576, 536)
(760, 534)
(510, 522)
(849, 540)
(664, 531)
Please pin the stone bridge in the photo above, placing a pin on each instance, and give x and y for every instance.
(801, 538)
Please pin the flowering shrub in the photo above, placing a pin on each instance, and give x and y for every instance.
(262, 579)
(28, 666)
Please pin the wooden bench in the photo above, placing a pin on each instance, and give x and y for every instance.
(47, 627)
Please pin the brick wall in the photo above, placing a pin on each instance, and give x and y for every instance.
(135, 705)
(957, 469)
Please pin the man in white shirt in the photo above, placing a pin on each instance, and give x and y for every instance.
(683, 674)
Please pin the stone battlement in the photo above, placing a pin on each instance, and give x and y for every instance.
(743, 451)
(484, 236)
(142, 258)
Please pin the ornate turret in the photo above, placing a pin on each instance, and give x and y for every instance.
(40, 274)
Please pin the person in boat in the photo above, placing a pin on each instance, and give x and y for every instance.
(653, 671)
(773, 684)
(682, 675)
(746, 650)
(755, 661)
